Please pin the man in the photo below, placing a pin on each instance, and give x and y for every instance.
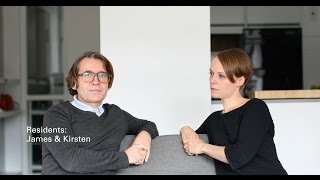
(84, 135)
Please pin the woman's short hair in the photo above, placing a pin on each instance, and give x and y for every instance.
(236, 63)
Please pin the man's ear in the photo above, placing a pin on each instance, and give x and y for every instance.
(74, 87)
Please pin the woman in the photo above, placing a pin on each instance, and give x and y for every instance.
(240, 135)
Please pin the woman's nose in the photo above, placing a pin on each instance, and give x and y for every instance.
(212, 79)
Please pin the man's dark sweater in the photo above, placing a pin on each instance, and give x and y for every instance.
(88, 144)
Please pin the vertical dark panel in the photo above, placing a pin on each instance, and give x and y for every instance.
(281, 50)
(282, 54)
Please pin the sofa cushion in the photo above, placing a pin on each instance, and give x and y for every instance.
(167, 157)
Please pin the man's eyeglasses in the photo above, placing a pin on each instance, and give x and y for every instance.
(88, 76)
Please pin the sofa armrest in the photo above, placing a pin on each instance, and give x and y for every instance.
(167, 157)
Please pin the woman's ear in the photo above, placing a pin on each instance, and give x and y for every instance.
(240, 81)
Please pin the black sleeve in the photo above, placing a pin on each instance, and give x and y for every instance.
(256, 121)
(136, 125)
(203, 128)
(73, 158)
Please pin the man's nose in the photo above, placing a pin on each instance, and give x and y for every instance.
(95, 79)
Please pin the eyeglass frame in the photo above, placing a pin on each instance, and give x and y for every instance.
(96, 74)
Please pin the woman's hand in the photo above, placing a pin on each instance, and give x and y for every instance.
(193, 146)
(187, 133)
(191, 142)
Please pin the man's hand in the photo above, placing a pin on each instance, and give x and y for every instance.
(143, 139)
(136, 153)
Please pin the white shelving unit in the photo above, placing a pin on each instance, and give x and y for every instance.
(6, 114)
(3, 83)
(7, 86)
(14, 72)
(37, 106)
(8, 81)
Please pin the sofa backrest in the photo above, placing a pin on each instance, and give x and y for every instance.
(167, 157)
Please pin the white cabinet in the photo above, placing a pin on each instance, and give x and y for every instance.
(232, 19)
(227, 19)
(274, 14)
(227, 14)
(311, 43)
(238, 15)
(311, 21)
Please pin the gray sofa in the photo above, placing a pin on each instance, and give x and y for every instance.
(168, 158)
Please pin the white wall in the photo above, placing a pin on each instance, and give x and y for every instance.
(161, 57)
(297, 134)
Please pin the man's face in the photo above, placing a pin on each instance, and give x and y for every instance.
(91, 93)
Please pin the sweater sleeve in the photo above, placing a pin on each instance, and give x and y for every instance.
(70, 156)
(136, 125)
(256, 120)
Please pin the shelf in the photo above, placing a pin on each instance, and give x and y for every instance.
(47, 97)
(6, 114)
(38, 112)
(286, 94)
(10, 173)
(8, 81)
(36, 167)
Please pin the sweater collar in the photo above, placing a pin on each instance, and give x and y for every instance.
(84, 107)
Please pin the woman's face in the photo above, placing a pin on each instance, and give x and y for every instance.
(221, 87)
